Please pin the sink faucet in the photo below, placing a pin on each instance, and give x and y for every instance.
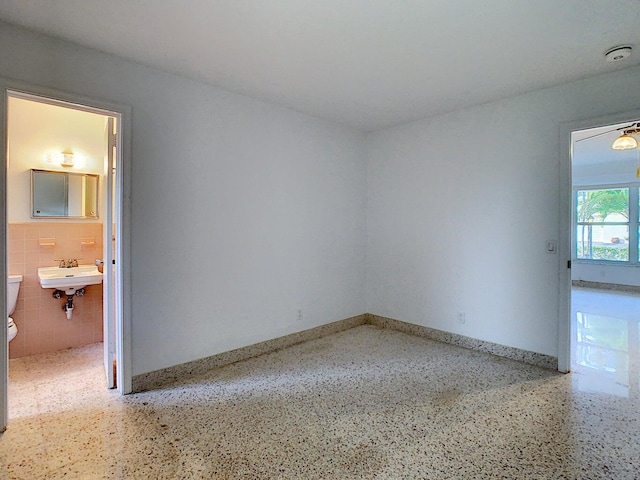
(72, 262)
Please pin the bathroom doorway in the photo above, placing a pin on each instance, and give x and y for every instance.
(54, 139)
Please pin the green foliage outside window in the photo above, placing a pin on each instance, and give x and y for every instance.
(597, 205)
(595, 209)
(604, 253)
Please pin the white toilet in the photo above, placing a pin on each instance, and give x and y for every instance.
(13, 286)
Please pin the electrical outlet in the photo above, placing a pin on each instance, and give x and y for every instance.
(462, 317)
(299, 315)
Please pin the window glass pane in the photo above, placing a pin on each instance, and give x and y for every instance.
(606, 205)
(603, 242)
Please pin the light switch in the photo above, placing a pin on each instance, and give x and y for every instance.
(551, 246)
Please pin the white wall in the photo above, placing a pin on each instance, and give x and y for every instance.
(242, 212)
(600, 273)
(34, 131)
(460, 208)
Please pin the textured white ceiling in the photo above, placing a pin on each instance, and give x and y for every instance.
(366, 63)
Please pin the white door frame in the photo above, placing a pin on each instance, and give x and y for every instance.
(123, 330)
(566, 230)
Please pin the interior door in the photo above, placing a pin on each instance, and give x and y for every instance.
(4, 347)
(109, 266)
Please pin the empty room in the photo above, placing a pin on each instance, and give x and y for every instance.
(320, 240)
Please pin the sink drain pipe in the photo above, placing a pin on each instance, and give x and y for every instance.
(68, 306)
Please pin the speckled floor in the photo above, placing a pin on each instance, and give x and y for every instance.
(364, 403)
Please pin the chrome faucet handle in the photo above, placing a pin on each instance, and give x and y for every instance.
(72, 262)
(62, 263)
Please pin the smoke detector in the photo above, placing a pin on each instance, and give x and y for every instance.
(617, 54)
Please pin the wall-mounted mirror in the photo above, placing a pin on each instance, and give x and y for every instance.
(63, 194)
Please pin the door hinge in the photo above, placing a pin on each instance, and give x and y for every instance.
(113, 140)
(568, 263)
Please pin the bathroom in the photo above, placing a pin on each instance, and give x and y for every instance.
(47, 136)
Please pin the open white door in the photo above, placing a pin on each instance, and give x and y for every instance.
(109, 266)
(4, 348)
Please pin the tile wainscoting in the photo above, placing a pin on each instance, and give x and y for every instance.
(42, 325)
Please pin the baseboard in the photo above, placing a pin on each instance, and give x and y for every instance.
(158, 378)
(606, 286)
(525, 356)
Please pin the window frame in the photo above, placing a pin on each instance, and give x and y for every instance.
(633, 224)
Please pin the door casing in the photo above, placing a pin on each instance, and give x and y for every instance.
(123, 156)
(566, 231)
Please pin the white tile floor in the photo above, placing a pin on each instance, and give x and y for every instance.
(364, 403)
(606, 341)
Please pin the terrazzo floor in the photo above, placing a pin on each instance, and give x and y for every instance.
(363, 403)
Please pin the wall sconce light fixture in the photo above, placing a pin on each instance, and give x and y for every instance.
(66, 160)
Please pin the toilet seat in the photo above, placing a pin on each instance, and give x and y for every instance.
(12, 330)
(13, 287)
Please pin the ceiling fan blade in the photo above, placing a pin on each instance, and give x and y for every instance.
(634, 124)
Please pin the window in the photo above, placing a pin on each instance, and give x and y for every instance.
(606, 227)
